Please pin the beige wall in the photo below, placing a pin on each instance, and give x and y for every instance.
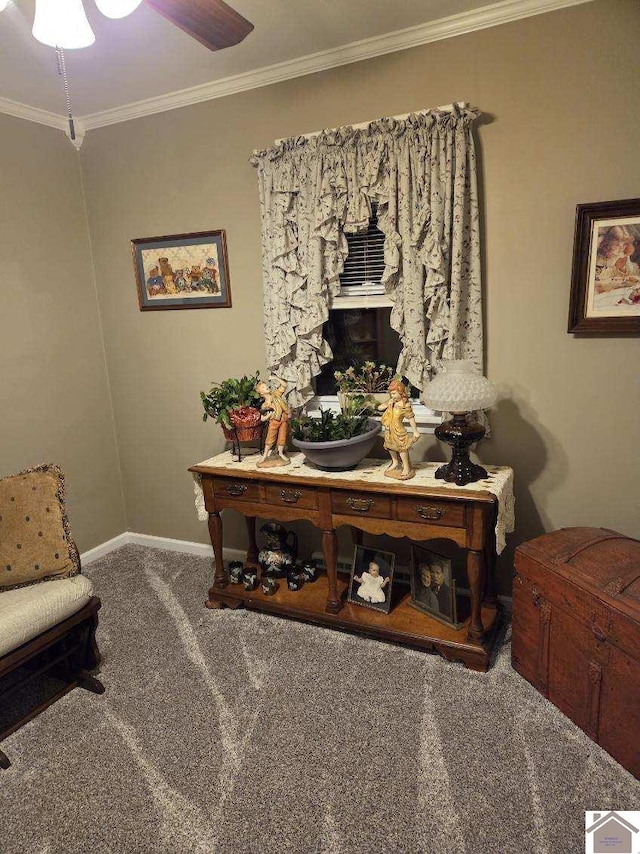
(560, 98)
(54, 396)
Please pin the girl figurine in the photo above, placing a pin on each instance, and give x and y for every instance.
(396, 438)
(372, 584)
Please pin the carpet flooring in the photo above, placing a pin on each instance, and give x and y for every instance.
(230, 731)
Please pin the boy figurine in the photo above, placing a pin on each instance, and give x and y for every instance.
(276, 411)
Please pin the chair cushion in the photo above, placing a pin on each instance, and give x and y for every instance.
(35, 541)
(26, 612)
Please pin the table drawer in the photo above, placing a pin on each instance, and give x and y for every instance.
(241, 490)
(361, 504)
(434, 512)
(292, 496)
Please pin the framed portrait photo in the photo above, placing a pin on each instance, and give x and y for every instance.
(432, 585)
(605, 279)
(182, 271)
(371, 579)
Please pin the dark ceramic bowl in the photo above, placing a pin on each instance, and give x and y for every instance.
(309, 570)
(250, 579)
(268, 585)
(295, 579)
(236, 569)
(343, 454)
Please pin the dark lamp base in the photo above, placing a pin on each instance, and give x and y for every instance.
(460, 436)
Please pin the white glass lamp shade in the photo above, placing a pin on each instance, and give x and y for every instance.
(117, 8)
(62, 23)
(459, 387)
(3, 4)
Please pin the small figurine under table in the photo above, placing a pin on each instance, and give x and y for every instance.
(276, 411)
(396, 437)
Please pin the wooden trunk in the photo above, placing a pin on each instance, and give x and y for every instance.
(576, 631)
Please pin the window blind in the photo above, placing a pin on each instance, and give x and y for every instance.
(364, 265)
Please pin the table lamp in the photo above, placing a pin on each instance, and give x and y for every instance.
(459, 388)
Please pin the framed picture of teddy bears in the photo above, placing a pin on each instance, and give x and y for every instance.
(182, 271)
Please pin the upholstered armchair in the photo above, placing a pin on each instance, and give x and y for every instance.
(48, 613)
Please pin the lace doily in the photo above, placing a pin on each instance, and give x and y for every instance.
(499, 482)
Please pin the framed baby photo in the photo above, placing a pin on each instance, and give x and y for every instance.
(432, 585)
(371, 579)
(605, 279)
(182, 271)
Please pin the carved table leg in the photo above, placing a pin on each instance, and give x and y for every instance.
(252, 546)
(490, 593)
(475, 574)
(330, 549)
(220, 576)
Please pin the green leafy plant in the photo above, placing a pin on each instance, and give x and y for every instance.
(229, 395)
(330, 427)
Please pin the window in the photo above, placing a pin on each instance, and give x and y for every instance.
(359, 327)
(357, 335)
(364, 265)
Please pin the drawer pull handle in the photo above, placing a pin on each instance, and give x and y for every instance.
(236, 488)
(362, 505)
(429, 512)
(290, 496)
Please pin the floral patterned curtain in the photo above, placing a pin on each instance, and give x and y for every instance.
(421, 172)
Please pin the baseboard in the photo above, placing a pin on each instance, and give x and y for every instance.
(152, 542)
(170, 545)
(104, 549)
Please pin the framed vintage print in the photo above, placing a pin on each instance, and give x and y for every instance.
(605, 280)
(432, 585)
(371, 579)
(182, 271)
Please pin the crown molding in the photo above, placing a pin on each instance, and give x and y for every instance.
(444, 28)
(492, 15)
(32, 114)
(44, 117)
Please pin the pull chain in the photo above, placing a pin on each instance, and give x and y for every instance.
(62, 71)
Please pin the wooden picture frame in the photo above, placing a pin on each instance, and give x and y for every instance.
(437, 598)
(368, 586)
(182, 271)
(605, 278)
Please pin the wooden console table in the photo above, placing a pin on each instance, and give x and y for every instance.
(375, 505)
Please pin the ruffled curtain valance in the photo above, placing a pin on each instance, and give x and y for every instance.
(421, 173)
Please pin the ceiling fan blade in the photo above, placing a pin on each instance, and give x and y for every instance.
(211, 22)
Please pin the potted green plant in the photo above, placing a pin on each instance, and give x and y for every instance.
(235, 405)
(336, 442)
(365, 384)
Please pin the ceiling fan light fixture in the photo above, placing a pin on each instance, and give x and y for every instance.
(62, 23)
(116, 8)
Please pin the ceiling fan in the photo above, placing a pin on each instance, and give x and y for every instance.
(211, 22)
(63, 23)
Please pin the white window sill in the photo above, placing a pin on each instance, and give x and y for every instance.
(362, 301)
(426, 419)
